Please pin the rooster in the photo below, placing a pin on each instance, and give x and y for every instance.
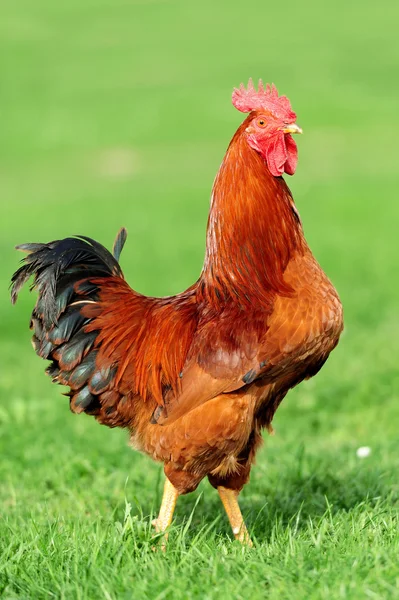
(196, 377)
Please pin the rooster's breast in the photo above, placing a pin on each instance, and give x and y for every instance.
(306, 325)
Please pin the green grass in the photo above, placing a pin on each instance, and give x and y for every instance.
(118, 113)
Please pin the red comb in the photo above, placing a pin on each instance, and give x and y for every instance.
(265, 98)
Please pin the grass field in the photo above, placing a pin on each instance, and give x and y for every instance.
(118, 113)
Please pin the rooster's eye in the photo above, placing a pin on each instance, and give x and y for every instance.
(261, 123)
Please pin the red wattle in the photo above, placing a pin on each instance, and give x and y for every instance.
(292, 154)
(281, 154)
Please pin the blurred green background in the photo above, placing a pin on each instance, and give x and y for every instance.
(118, 113)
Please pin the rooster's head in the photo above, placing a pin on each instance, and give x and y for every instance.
(269, 126)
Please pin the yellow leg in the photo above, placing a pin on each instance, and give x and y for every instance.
(229, 499)
(169, 498)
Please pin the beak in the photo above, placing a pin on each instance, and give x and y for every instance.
(292, 129)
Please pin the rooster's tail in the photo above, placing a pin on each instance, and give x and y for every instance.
(63, 271)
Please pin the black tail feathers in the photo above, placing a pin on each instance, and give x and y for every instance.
(58, 265)
(63, 271)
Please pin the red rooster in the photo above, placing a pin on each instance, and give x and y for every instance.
(195, 377)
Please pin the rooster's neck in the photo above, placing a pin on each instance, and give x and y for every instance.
(253, 230)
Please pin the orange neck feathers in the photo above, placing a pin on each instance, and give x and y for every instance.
(253, 231)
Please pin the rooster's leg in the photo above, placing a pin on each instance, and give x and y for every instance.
(169, 498)
(230, 503)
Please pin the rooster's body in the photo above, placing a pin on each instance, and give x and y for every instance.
(195, 377)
